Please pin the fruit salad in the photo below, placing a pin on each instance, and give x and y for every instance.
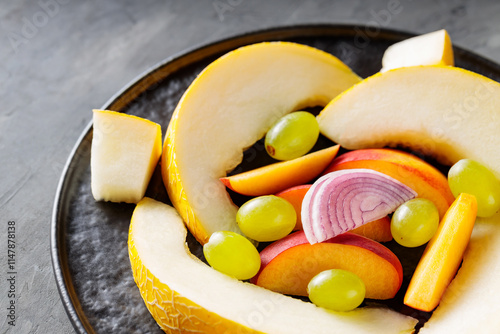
(318, 239)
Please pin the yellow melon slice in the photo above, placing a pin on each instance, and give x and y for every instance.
(226, 109)
(449, 113)
(184, 295)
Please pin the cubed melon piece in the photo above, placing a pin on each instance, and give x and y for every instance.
(125, 151)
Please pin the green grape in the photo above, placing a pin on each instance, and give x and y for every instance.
(415, 222)
(337, 290)
(292, 136)
(469, 176)
(232, 254)
(266, 218)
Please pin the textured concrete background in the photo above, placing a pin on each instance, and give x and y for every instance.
(61, 58)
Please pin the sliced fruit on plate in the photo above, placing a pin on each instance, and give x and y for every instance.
(226, 109)
(443, 255)
(433, 48)
(281, 175)
(125, 151)
(288, 265)
(452, 114)
(417, 174)
(185, 295)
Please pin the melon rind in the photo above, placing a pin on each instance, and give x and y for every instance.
(226, 109)
(185, 295)
(451, 114)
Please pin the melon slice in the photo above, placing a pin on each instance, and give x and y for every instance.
(125, 151)
(226, 109)
(449, 113)
(443, 111)
(433, 48)
(184, 295)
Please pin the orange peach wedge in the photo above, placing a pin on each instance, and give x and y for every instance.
(417, 174)
(288, 265)
(276, 177)
(295, 195)
(378, 230)
(443, 255)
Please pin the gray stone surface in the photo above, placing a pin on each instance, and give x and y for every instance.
(61, 58)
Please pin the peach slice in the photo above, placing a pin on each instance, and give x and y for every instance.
(230, 105)
(378, 230)
(417, 174)
(452, 115)
(295, 195)
(290, 263)
(443, 255)
(276, 177)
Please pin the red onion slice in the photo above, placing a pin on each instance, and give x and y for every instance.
(308, 198)
(344, 200)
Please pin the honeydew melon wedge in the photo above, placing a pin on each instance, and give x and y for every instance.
(226, 109)
(433, 48)
(184, 295)
(449, 113)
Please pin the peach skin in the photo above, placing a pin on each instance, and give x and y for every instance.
(417, 174)
(290, 263)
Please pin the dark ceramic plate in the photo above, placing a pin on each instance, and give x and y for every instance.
(89, 239)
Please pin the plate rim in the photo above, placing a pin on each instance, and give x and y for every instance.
(59, 259)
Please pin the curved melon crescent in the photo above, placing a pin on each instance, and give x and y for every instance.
(184, 295)
(226, 109)
(449, 113)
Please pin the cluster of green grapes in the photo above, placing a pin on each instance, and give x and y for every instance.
(270, 218)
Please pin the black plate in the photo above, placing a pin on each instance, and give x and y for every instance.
(89, 239)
